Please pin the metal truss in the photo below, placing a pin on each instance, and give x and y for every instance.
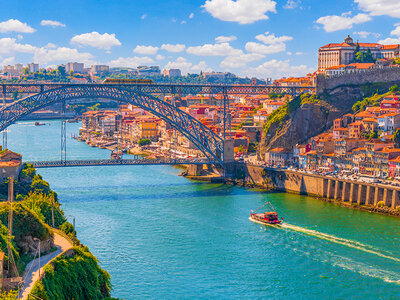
(163, 88)
(114, 162)
(210, 144)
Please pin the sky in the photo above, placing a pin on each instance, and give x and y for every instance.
(261, 38)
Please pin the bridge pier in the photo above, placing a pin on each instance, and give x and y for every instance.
(395, 199)
(345, 192)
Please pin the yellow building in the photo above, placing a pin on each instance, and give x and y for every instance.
(149, 128)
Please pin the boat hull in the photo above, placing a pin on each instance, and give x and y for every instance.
(264, 222)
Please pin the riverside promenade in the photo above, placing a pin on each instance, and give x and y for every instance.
(31, 274)
(375, 197)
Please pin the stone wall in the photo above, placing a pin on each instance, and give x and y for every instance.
(345, 191)
(368, 76)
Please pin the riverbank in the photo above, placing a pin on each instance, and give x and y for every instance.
(373, 198)
(40, 229)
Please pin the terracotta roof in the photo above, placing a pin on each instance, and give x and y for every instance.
(389, 47)
(369, 120)
(278, 150)
(12, 163)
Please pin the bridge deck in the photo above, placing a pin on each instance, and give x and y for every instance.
(118, 162)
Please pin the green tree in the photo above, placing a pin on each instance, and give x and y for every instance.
(15, 95)
(396, 138)
(26, 71)
(364, 57)
(144, 142)
(61, 71)
(357, 48)
(395, 88)
(373, 135)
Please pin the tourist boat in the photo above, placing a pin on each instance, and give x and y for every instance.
(39, 124)
(269, 217)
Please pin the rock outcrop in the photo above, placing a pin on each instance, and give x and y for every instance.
(307, 116)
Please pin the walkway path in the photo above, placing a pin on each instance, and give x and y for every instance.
(31, 274)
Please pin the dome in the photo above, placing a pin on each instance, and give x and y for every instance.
(348, 40)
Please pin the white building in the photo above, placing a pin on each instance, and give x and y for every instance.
(172, 73)
(389, 122)
(33, 67)
(97, 69)
(74, 67)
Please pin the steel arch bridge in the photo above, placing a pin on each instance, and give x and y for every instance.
(209, 143)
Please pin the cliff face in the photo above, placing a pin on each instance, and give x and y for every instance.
(305, 122)
(307, 116)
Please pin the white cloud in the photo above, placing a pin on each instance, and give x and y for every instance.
(9, 46)
(270, 39)
(265, 49)
(365, 34)
(292, 4)
(344, 21)
(299, 53)
(8, 61)
(185, 66)
(201, 66)
(144, 16)
(14, 25)
(19, 36)
(180, 63)
(191, 16)
(273, 44)
(380, 7)
(240, 61)
(225, 39)
(183, 22)
(51, 23)
(289, 53)
(131, 62)
(50, 46)
(61, 54)
(392, 40)
(160, 57)
(46, 54)
(97, 40)
(277, 69)
(173, 48)
(240, 11)
(145, 50)
(222, 49)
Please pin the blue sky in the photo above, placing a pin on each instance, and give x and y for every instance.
(263, 38)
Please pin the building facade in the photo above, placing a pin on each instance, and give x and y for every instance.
(74, 67)
(336, 54)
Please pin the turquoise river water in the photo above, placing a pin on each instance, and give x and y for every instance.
(160, 235)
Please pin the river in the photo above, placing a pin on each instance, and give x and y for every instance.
(160, 235)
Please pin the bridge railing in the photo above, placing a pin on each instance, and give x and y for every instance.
(118, 162)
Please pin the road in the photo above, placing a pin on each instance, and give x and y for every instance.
(31, 274)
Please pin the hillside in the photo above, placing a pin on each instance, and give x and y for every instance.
(308, 115)
(32, 220)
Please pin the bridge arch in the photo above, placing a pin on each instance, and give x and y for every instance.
(209, 143)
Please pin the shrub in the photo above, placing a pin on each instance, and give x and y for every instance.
(144, 142)
(381, 204)
(76, 277)
(395, 88)
(42, 204)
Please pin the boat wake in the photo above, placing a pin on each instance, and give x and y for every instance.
(338, 240)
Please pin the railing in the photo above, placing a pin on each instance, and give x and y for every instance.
(119, 162)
